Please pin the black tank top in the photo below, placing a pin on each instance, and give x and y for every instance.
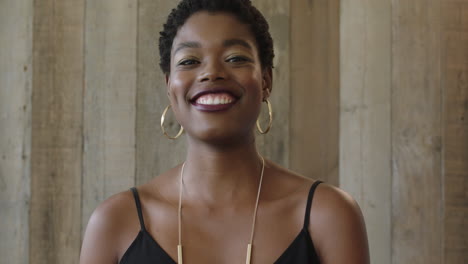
(145, 250)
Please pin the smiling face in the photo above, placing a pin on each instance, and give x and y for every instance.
(216, 84)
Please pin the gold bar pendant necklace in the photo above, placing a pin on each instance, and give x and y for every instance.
(249, 245)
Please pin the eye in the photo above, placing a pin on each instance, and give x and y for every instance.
(188, 62)
(238, 59)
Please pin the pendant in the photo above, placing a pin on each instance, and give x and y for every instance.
(179, 254)
(249, 253)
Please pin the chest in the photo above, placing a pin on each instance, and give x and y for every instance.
(145, 250)
(223, 236)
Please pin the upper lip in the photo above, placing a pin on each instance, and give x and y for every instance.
(214, 90)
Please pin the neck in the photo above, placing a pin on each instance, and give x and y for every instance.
(214, 175)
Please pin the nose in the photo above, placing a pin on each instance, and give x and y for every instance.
(213, 71)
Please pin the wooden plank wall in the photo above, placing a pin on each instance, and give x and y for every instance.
(315, 89)
(15, 128)
(275, 145)
(365, 120)
(409, 130)
(417, 220)
(455, 84)
(109, 101)
(56, 152)
(154, 152)
(81, 96)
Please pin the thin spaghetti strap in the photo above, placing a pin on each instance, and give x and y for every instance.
(309, 203)
(138, 206)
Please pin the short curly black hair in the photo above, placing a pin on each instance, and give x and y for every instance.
(242, 9)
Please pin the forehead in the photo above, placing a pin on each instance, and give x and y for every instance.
(209, 28)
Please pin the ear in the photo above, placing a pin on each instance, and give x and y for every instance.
(167, 79)
(168, 83)
(267, 82)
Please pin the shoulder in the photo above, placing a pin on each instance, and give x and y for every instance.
(337, 227)
(117, 211)
(111, 228)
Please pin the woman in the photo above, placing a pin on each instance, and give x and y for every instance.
(217, 57)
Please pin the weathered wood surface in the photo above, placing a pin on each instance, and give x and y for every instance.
(365, 121)
(15, 128)
(154, 152)
(314, 92)
(455, 84)
(417, 219)
(56, 166)
(109, 101)
(275, 144)
(98, 60)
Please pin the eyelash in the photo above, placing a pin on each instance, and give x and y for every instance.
(188, 62)
(238, 59)
(234, 59)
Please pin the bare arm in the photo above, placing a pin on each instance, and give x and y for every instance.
(338, 229)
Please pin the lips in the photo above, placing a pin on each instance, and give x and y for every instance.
(214, 101)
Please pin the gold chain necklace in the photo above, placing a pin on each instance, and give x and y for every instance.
(249, 246)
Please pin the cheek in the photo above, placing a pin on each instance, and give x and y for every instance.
(254, 83)
(177, 87)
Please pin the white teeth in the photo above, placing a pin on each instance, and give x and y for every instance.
(215, 99)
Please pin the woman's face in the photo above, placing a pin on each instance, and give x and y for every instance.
(217, 84)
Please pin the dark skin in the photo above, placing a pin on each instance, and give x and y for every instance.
(222, 170)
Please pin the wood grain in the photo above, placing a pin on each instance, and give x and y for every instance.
(109, 100)
(275, 144)
(314, 92)
(15, 128)
(365, 120)
(81, 96)
(417, 220)
(56, 166)
(455, 84)
(154, 152)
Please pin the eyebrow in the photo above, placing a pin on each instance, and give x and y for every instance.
(226, 43)
(185, 45)
(233, 42)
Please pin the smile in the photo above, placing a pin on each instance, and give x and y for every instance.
(215, 99)
(213, 102)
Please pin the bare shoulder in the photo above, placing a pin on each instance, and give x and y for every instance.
(337, 227)
(286, 183)
(111, 228)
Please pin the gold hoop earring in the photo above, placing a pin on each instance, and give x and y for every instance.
(162, 125)
(270, 121)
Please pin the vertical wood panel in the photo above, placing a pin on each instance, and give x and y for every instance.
(365, 121)
(155, 153)
(275, 144)
(314, 91)
(15, 128)
(455, 84)
(417, 226)
(56, 131)
(125, 94)
(109, 100)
